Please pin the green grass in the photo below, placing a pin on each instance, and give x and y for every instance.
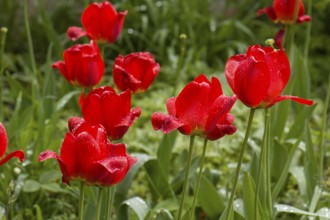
(36, 104)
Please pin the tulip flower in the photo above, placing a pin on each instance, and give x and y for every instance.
(113, 111)
(282, 11)
(135, 71)
(3, 148)
(259, 76)
(82, 65)
(87, 155)
(101, 21)
(200, 109)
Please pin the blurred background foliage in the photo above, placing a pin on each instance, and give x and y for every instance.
(38, 104)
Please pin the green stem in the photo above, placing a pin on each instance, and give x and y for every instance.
(81, 201)
(99, 203)
(185, 183)
(264, 166)
(239, 164)
(3, 32)
(308, 30)
(201, 164)
(322, 133)
(110, 201)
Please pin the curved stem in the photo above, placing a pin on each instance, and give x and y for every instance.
(239, 164)
(185, 183)
(99, 203)
(81, 201)
(201, 164)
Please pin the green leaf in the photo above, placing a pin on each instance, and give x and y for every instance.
(297, 128)
(164, 152)
(293, 210)
(280, 183)
(123, 187)
(31, 186)
(50, 176)
(163, 214)
(158, 179)
(137, 205)
(209, 199)
(52, 187)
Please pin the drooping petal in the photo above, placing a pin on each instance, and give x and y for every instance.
(221, 130)
(293, 98)
(166, 123)
(62, 68)
(48, 154)
(74, 33)
(304, 18)
(269, 11)
(18, 154)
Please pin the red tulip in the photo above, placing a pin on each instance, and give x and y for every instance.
(200, 109)
(113, 111)
(82, 65)
(3, 148)
(135, 71)
(86, 154)
(283, 11)
(259, 76)
(101, 22)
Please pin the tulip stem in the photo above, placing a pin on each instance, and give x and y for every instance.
(264, 165)
(229, 207)
(99, 203)
(81, 201)
(201, 164)
(110, 201)
(185, 183)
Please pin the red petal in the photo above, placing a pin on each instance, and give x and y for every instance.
(304, 18)
(170, 106)
(220, 131)
(230, 69)
(218, 111)
(62, 68)
(269, 11)
(74, 122)
(74, 33)
(48, 154)
(3, 140)
(279, 73)
(18, 154)
(252, 81)
(293, 98)
(164, 122)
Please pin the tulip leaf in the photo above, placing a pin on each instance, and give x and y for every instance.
(164, 152)
(137, 205)
(52, 187)
(285, 170)
(123, 187)
(163, 214)
(31, 186)
(209, 198)
(293, 210)
(158, 179)
(297, 128)
(50, 176)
